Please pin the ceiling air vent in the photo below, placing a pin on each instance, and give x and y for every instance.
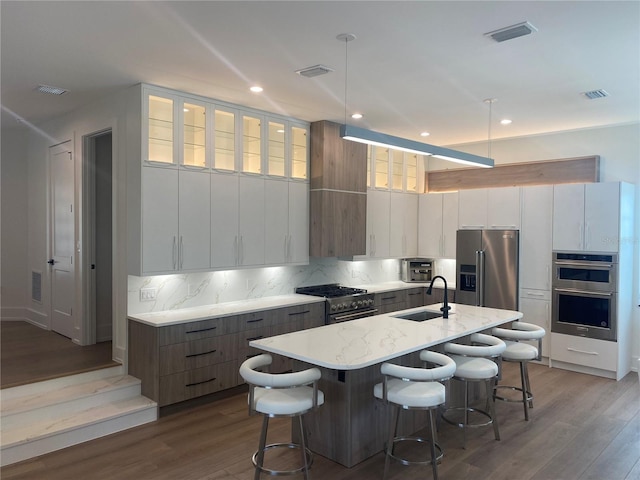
(593, 94)
(314, 71)
(514, 31)
(51, 90)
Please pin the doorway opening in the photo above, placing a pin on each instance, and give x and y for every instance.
(98, 221)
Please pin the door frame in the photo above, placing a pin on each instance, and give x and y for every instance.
(87, 272)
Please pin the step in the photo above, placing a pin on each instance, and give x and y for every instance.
(46, 416)
(67, 399)
(30, 440)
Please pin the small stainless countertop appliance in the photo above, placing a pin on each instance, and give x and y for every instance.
(416, 269)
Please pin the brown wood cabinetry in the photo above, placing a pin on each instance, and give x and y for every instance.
(437, 296)
(338, 193)
(179, 362)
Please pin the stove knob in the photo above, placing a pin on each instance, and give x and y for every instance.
(340, 306)
(354, 305)
(370, 301)
(360, 303)
(334, 307)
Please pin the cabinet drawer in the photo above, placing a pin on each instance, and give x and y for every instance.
(253, 320)
(194, 383)
(301, 314)
(398, 296)
(587, 352)
(186, 332)
(197, 354)
(415, 297)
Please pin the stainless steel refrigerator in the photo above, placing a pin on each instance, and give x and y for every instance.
(487, 268)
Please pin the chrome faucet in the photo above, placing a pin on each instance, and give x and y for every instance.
(445, 308)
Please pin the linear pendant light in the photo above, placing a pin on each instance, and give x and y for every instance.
(362, 135)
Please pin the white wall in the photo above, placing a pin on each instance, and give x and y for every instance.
(15, 284)
(619, 151)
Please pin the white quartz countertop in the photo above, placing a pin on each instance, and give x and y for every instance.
(193, 314)
(371, 340)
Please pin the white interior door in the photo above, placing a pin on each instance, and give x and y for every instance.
(62, 239)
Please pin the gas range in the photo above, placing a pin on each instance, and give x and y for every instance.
(343, 303)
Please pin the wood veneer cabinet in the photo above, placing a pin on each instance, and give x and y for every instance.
(338, 195)
(188, 360)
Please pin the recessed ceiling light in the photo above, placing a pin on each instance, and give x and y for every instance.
(425, 134)
(357, 116)
(256, 89)
(505, 121)
(51, 90)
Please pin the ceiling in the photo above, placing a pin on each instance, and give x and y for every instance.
(415, 66)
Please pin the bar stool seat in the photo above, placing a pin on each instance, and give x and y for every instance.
(520, 352)
(474, 364)
(410, 388)
(283, 395)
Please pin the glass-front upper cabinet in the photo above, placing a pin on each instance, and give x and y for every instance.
(276, 149)
(194, 135)
(251, 144)
(160, 123)
(381, 163)
(224, 155)
(397, 170)
(299, 152)
(411, 172)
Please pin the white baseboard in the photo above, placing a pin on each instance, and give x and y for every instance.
(24, 314)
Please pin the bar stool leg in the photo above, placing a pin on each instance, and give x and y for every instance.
(466, 414)
(525, 400)
(529, 391)
(261, 447)
(489, 384)
(393, 428)
(434, 439)
(303, 448)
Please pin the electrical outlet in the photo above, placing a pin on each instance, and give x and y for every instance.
(148, 294)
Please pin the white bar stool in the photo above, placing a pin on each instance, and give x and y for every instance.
(474, 364)
(522, 353)
(282, 395)
(410, 388)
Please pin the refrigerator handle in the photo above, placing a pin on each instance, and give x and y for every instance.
(480, 278)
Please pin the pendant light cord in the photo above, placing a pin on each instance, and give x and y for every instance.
(490, 102)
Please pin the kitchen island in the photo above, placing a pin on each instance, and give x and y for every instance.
(352, 426)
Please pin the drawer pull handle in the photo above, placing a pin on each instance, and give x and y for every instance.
(251, 339)
(389, 298)
(200, 383)
(254, 321)
(202, 330)
(299, 313)
(203, 353)
(581, 351)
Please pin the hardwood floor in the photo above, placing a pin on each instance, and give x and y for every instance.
(582, 427)
(30, 354)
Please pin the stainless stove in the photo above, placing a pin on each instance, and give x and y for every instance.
(343, 303)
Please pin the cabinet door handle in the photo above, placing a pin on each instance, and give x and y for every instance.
(174, 253)
(200, 354)
(251, 339)
(582, 351)
(293, 314)
(504, 227)
(202, 330)
(531, 294)
(200, 383)
(241, 250)
(256, 320)
(181, 252)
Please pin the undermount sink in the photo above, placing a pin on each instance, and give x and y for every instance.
(420, 316)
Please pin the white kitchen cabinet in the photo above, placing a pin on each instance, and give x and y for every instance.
(437, 225)
(175, 220)
(503, 208)
(298, 244)
(494, 208)
(536, 308)
(472, 209)
(594, 356)
(159, 132)
(586, 217)
(378, 223)
(535, 237)
(224, 220)
(286, 222)
(403, 225)
(251, 223)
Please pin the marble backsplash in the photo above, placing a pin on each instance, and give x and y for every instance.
(197, 289)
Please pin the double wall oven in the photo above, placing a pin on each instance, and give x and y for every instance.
(343, 303)
(585, 294)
